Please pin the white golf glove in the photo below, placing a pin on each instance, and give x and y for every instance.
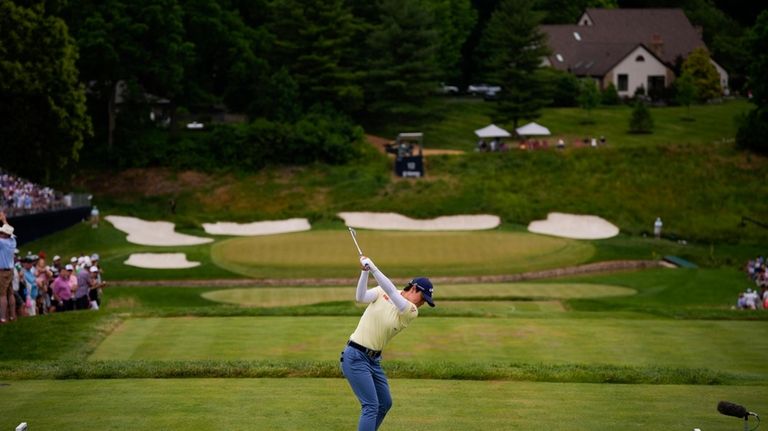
(367, 264)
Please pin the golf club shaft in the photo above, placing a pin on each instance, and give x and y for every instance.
(354, 238)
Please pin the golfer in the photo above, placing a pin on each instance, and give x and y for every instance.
(389, 311)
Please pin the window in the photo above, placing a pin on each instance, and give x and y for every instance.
(623, 83)
(639, 58)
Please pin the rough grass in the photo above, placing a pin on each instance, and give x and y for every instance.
(459, 117)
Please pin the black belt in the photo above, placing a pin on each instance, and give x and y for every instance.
(368, 352)
(5, 269)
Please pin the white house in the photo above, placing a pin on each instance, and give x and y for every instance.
(630, 48)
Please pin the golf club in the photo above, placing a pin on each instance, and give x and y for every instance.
(354, 238)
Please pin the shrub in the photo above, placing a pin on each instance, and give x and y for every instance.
(563, 87)
(753, 129)
(641, 120)
(610, 95)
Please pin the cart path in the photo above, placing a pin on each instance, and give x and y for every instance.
(589, 268)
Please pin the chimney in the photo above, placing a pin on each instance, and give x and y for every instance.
(657, 45)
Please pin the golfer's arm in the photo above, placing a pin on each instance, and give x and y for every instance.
(362, 294)
(390, 289)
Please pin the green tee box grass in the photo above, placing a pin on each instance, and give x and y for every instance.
(328, 404)
(717, 345)
(331, 253)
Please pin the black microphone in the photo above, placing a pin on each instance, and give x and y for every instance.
(731, 409)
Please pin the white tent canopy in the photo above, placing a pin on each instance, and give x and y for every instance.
(533, 129)
(492, 131)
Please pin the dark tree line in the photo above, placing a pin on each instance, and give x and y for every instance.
(85, 73)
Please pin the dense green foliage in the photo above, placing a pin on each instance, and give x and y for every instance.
(42, 103)
(754, 125)
(610, 95)
(703, 73)
(641, 120)
(404, 73)
(685, 91)
(512, 48)
(589, 96)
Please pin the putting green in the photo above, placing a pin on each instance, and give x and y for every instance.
(331, 253)
(293, 296)
(717, 345)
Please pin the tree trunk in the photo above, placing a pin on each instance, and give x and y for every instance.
(111, 116)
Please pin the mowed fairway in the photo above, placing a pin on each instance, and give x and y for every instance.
(328, 404)
(716, 345)
(292, 296)
(400, 254)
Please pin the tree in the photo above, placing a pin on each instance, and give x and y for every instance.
(512, 48)
(563, 86)
(641, 120)
(757, 43)
(704, 74)
(314, 41)
(753, 127)
(42, 105)
(139, 43)
(403, 71)
(454, 20)
(589, 97)
(610, 95)
(685, 92)
(229, 64)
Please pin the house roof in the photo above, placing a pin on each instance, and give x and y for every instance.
(614, 33)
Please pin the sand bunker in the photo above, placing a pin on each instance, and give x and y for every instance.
(393, 221)
(160, 261)
(574, 226)
(159, 233)
(257, 228)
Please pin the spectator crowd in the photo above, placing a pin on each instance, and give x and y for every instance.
(20, 196)
(30, 286)
(757, 298)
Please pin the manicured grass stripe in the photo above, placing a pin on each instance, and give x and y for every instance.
(583, 373)
(717, 345)
(291, 296)
(328, 404)
(331, 253)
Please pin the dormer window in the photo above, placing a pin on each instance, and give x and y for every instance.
(559, 58)
(639, 59)
(576, 35)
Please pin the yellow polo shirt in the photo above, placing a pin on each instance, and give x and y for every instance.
(382, 321)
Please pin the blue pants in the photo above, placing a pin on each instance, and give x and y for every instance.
(369, 383)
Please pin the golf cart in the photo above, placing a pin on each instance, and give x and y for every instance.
(408, 163)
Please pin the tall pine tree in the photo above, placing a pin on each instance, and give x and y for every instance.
(512, 49)
(314, 41)
(403, 68)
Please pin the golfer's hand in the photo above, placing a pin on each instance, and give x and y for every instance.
(367, 264)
